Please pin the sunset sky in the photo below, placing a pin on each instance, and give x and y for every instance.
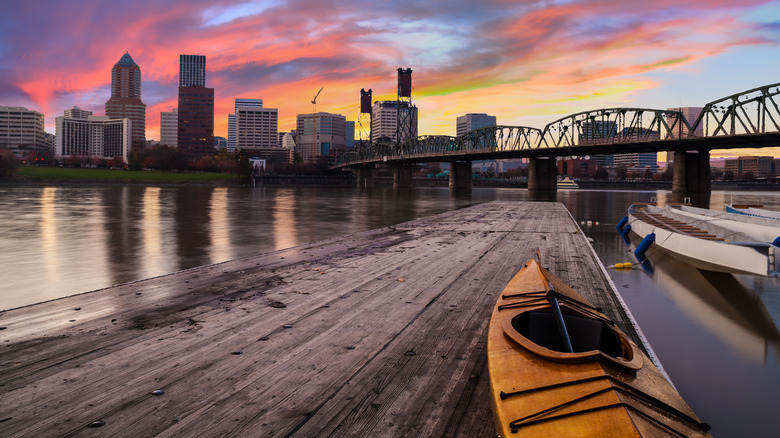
(526, 62)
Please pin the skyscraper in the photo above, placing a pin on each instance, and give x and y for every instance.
(195, 123)
(192, 70)
(125, 101)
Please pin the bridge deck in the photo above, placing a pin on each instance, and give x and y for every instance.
(380, 333)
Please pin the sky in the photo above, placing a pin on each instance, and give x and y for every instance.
(527, 62)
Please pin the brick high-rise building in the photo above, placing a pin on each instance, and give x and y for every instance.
(196, 108)
(125, 101)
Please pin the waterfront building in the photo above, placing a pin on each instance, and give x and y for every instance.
(125, 101)
(597, 131)
(169, 131)
(759, 167)
(195, 122)
(576, 167)
(384, 119)
(472, 121)
(320, 135)
(93, 136)
(691, 114)
(21, 131)
(256, 127)
(469, 122)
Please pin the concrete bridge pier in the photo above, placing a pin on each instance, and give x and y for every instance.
(365, 177)
(402, 177)
(460, 176)
(542, 180)
(692, 178)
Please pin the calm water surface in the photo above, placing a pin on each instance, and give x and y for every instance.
(715, 334)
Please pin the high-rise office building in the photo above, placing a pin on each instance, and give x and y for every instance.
(192, 70)
(21, 130)
(195, 123)
(256, 127)
(320, 135)
(472, 121)
(79, 133)
(384, 119)
(169, 123)
(125, 101)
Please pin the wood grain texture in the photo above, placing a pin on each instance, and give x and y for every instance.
(380, 333)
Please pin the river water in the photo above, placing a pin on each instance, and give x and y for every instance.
(716, 335)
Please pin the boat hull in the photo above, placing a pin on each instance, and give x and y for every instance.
(594, 392)
(710, 255)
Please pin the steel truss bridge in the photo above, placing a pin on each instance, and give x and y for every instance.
(750, 119)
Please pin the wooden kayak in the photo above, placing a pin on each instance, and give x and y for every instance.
(587, 379)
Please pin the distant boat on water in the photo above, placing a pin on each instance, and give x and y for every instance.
(567, 183)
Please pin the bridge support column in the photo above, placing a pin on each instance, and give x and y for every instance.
(460, 176)
(365, 177)
(542, 181)
(691, 178)
(402, 177)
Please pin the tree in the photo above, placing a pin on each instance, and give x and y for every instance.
(621, 172)
(748, 176)
(728, 175)
(600, 173)
(8, 163)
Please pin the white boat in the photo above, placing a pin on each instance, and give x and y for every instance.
(752, 210)
(704, 244)
(567, 183)
(759, 228)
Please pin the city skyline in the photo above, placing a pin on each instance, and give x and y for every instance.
(528, 63)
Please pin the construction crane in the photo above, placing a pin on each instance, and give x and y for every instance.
(314, 101)
(315, 144)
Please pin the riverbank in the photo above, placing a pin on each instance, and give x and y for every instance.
(70, 175)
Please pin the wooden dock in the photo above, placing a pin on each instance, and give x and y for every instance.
(380, 333)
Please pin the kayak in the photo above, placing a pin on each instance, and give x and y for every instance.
(559, 367)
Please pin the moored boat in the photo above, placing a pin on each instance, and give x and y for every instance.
(706, 243)
(559, 367)
(567, 183)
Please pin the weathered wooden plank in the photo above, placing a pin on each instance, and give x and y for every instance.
(380, 333)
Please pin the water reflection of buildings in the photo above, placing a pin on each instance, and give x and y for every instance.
(122, 226)
(192, 230)
(722, 303)
(219, 225)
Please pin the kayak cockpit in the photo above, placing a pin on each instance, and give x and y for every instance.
(590, 338)
(586, 334)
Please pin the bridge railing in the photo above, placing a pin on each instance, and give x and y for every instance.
(614, 125)
(754, 111)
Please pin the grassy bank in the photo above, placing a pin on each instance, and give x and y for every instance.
(79, 175)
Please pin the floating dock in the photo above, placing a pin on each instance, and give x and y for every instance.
(379, 333)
